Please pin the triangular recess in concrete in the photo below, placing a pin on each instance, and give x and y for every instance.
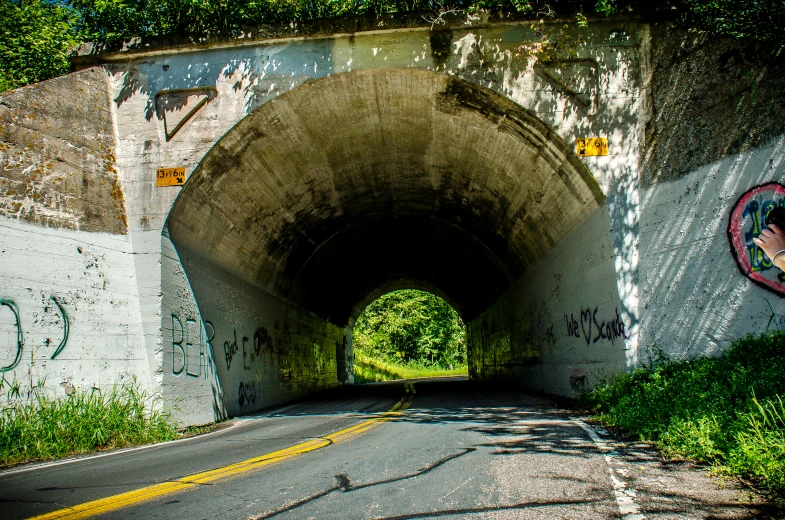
(576, 77)
(176, 107)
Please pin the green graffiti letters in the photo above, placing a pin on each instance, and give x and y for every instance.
(19, 336)
(185, 345)
(61, 346)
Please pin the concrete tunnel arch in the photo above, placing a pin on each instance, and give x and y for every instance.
(368, 181)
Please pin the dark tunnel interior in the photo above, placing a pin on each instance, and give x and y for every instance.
(383, 178)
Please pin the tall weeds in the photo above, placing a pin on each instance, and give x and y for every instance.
(368, 369)
(37, 426)
(727, 411)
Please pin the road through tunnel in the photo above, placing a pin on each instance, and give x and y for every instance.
(364, 182)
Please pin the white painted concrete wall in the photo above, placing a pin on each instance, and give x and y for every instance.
(694, 298)
(567, 311)
(91, 275)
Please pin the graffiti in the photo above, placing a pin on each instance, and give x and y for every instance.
(246, 394)
(262, 339)
(550, 337)
(579, 381)
(573, 329)
(178, 344)
(230, 349)
(246, 357)
(283, 349)
(283, 336)
(19, 335)
(185, 345)
(208, 342)
(277, 347)
(61, 346)
(593, 330)
(746, 221)
(10, 304)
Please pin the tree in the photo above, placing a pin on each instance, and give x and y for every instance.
(413, 327)
(36, 37)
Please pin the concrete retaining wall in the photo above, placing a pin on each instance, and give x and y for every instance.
(70, 314)
(695, 301)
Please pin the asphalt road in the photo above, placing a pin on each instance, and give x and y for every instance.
(439, 448)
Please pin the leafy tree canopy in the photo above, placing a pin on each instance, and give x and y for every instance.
(35, 39)
(37, 35)
(413, 327)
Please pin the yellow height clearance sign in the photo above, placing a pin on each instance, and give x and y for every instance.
(586, 146)
(170, 176)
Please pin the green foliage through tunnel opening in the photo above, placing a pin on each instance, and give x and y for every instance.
(408, 334)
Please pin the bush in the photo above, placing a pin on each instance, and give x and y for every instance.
(727, 410)
(369, 370)
(36, 37)
(413, 328)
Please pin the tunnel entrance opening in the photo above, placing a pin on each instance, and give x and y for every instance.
(359, 184)
(408, 334)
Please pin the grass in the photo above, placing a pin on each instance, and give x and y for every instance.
(37, 426)
(727, 411)
(368, 370)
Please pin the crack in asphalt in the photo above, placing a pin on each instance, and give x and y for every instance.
(489, 509)
(344, 484)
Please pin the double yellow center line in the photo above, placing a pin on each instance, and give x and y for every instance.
(112, 503)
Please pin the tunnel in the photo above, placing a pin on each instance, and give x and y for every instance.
(356, 184)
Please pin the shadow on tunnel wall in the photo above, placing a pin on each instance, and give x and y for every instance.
(264, 350)
(716, 131)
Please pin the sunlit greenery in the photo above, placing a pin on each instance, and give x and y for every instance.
(369, 369)
(412, 329)
(726, 410)
(35, 39)
(37, 36)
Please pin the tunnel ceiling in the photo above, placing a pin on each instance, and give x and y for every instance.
(368, 178)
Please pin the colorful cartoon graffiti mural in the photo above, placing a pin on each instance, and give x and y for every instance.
(746, 222)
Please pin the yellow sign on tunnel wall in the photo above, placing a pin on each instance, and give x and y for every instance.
(170, 176)
(585, 146)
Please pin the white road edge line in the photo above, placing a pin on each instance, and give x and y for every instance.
(82, 458)
(628, 508)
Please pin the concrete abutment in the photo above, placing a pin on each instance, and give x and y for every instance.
(322, 171)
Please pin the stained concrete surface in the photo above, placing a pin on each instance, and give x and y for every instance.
(58, 156)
